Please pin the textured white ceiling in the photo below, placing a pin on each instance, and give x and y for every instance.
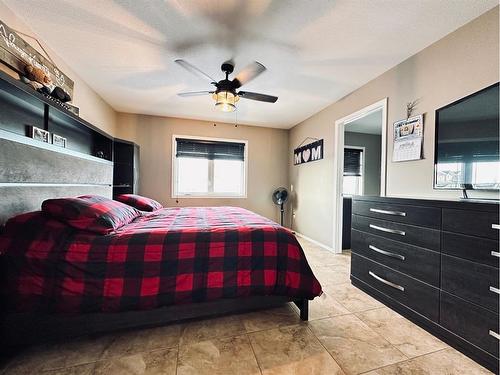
(316, 51)
(369, 124)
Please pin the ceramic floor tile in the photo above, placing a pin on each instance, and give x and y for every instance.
(292, 350)
(143, 340)
(331, 275)
(157, 362)
(87, 369)
(445, 362)
(407, 337)
(271, 318)
(211, 328)
(69, 354)
(227, 356)
(351, 297)
(324, 257)
(355, 346)
(325, 306)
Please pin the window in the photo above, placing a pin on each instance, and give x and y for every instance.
(207, 167)
(485, 174)
(353, 171)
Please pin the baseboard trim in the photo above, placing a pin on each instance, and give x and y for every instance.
(314, 242)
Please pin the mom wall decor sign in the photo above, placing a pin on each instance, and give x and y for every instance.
(307, 153)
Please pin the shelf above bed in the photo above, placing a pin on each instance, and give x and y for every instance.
(48, 146)
(23, 107)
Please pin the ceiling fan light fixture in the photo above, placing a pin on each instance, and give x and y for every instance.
(225, 100)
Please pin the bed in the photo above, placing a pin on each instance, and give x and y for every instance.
(61, 281)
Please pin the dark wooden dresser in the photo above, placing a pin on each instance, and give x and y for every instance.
(436, 263)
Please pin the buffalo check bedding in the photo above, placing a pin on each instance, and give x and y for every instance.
(170, 256)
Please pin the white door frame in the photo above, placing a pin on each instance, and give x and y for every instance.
(338, 164)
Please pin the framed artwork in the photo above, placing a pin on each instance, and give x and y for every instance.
(57, 140)
(39, 134)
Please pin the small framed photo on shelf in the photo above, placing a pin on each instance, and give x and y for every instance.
(57, 140)
(39, 134)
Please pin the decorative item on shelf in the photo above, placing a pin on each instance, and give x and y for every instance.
(16, 53)
(73, 109)
(39, 134)
(100, 154)
(309, 152)
(35, 74)
(57, 140)
(41, 82)
(410, 107)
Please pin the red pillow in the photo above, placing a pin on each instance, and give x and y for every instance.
(139, 202)
(91, 212)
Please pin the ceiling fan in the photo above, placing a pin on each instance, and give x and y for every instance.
(225, 93)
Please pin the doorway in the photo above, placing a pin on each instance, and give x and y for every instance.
(360, 167)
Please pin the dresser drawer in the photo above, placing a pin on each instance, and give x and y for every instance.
(476, 249)
(414, 261)
(471, 281)
(473, 323)
(401, 213)
(474, 223)
(415, 294)
(419, 236)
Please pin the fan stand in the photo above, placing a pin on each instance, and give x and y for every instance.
(282, 213)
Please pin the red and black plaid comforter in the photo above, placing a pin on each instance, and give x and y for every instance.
(171, 256)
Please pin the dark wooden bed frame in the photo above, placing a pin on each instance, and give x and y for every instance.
(19, 330)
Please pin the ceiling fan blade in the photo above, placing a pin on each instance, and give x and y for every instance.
(248, 73)
(195, 93)
(194, 70)
(258, 97)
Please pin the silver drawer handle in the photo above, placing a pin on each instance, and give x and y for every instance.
(395, 231)
(494, 290)
(383, 252)
(495, 226)
(495, 254)
(394, 213)
(386, 282)
(494, 334)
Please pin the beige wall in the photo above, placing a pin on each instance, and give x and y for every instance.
(267, 158)
(459, 64)
(92, 107)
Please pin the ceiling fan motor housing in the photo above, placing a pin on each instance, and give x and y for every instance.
(225, 85)
(227, 67)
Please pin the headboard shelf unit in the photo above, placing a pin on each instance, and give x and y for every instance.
(125, 167)
(22, 107)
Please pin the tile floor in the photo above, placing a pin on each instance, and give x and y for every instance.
(348, 333)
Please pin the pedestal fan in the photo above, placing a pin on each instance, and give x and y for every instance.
(280, 196)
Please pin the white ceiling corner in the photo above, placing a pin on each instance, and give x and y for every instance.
(315, 51)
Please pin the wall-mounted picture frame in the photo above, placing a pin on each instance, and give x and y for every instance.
(39, 134)
(57, 140)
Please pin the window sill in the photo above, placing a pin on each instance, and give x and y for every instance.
(188, 196)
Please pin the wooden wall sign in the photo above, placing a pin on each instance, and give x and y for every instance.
(307, 153)
(15, 52)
